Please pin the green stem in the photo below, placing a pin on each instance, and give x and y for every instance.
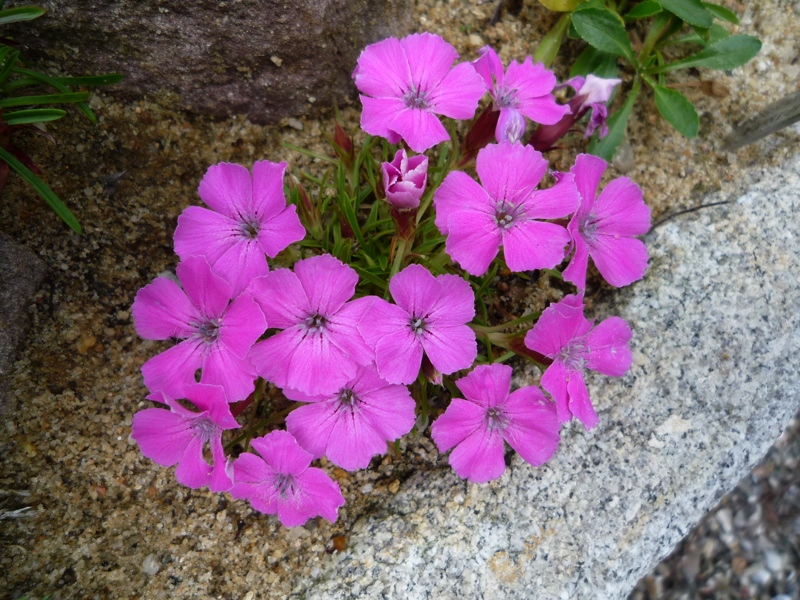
(507, 325)
(403, 246)
(660, 25)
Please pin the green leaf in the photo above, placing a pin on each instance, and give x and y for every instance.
(603, 29)
(721, 13)
(617, 125)
(21, 13)
(645, 9)
(595, 61)
(548, 48)
(107, 79)
(83, 106)
(727, 53)
(691, 11)
(44, 99)
(35, 115)
(677, 110)
(7, 62)
(44, 191)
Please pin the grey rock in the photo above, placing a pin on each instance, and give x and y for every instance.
(21, 275)
(266, 59)
(715, 380)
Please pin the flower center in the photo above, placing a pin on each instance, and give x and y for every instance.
(315, 323)
(209, 331)
(496, 418)
(505, 98)
(573, 355)
(417, 325)
(205, 428)
(348, 398)
(588, 227)
(250, 228)
(414, 98)
(505, 213)
(285, 485)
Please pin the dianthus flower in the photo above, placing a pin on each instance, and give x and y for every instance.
(404, 179)
(281, 482)
(353, 424)
(477, 425)
(179, 436)
(430, 316)
(565, 336)
(405, 83)
(523, 90)
(505, 209)
(217, 333)
(250, 219)
(319, 349)
(603, 226)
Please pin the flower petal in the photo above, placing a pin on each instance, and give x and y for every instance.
(533, 426)
(378, 113)
(203, 232)
(429, 59)
(268, 198)
(554, 381)
(280, 230)
(457, 191)
(311, 425)
(193, 471)
(458, 94)
(228, 189)
(608, 351)
(474, 241)
(241, 326)
(281, 297)
(171, 370)
(236, 375)
(580, 404)
(461, 419)
(487, 385)
(383, 70)
(399, 356)
(620, 209)
(530, 245)
(208, 292)
(415, 290)
(419, 128)
(282, 453)
(161, 310)
(327, 281)
(479, 458)
(588, 171)
(161, 434)
(620, 260)
(450, 349)
(510, 171)
(559, 324)
(556, 202)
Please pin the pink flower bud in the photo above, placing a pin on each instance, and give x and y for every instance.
(404, 179)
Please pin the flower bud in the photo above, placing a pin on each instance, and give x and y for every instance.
(404, 179)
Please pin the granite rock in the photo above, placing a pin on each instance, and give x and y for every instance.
(715, 379)
(266, 59)
(22, 275)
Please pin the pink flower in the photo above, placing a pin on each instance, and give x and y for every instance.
(430, 316)
(178, 436)
(524, 90)
(506, 210)
(281, 481)
(406, 83)
(603, 228)
(319, 349)
(564, 335)
(592, 93)
(217, 333)
(249, 219)
(404, 179)
(354, 423)
(477, 425)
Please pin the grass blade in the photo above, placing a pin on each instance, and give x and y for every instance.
(45, 99)
(35, 115)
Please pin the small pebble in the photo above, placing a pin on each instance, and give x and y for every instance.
(276, 60)
(294, 123)
(725, 519)
(773, 561)
(394, 486)
(150, 565)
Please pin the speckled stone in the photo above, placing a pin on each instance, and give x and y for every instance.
(21, 274)
(714, 381)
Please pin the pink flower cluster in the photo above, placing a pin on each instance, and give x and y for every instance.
(349, 359)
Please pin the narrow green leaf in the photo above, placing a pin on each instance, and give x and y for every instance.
(603, 29)
(727, 53)
(645, 9)
(548, 48)
(107, 79)
(691, 11)
(721, 13)
(21, 13)
(617, 125)
(7, 63)
(83, 106)
(42, 188)
(677, 110)
(44, 99)
(35, 115)
(591, 60)
(704, 37)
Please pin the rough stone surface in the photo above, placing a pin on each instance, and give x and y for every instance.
(694, 414)
(266, 59)
(21, 274)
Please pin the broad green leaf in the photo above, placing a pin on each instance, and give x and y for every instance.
(35, 115)
(603, 29)
(722, 13)
(44, 99)
(21, 13)
(691, 11)
(704, 37)
(645, 9)
(44, 191)
(617, 123)
(595, 61)
(677, 110)
(727, 53)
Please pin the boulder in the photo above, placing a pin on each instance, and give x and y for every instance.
(266, 59)
(715, 379)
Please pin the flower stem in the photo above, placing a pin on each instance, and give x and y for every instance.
(403, 246)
